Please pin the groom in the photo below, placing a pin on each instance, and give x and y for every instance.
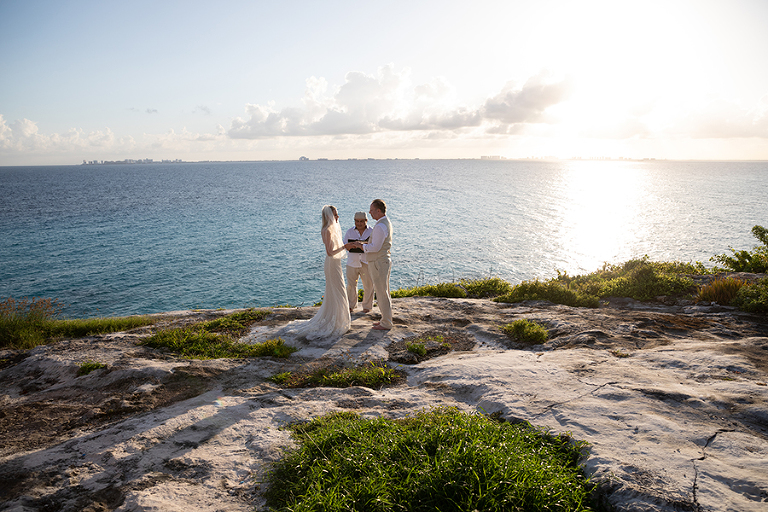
(379, 262)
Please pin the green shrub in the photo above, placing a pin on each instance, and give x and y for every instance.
(639, 279)
(482, 288)
(416, 348)
(552, 291)
(451, 290)
(745, 261)
(643, 281)
(526, 331)
(753, 298)
(721, 290)
(87, 367)
(435, 460)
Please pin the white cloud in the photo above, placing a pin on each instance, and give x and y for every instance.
(527, 104)
(386, 114)
(23, 137)
(367, 104)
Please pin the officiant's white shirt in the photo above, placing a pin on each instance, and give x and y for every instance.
(356, 259)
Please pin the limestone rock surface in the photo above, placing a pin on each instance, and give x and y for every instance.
(672, 399)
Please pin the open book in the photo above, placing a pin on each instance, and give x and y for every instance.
(367, 240)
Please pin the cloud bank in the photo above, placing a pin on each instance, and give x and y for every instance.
(367, 104)
(386, 113)
(23, 135)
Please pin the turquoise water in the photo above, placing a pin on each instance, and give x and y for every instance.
(125, 239)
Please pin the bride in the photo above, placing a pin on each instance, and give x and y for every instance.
(333, 318)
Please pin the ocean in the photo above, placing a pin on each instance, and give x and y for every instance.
(126, 239)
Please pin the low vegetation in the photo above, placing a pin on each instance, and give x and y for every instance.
(440, 459)
(421, 345)
(452, 290)
(552, 291)
(217, 339)
(526, 331)
(197, 343)
(87, 367)
(372, 375)
(237, 324)
(417, 348)
(753, 298)
(639, 279)
(464, 288)
(483, 288)
(27, 323)
(721, 290)
(746, 261)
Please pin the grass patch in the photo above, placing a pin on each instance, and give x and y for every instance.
(25, 323)
(451, 290)
(237, 324)
(639, 279)
(197, 343)
(644, 280)
(372, 375)
(484, 288)
(87, 367)
(426, 345)
(552, 291)
(472, 288)
(432, 340)
(417, 348)
(526, 331)
(721, 290)
(217, 339)
(440, 459)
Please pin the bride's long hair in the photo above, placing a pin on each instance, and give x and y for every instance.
(330, 224)
(329, 216)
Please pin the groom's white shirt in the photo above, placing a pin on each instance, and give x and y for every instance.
(380, 233)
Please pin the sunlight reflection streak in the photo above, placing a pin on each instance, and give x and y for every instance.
(601, 213)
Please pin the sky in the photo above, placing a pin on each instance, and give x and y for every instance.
(277, 80)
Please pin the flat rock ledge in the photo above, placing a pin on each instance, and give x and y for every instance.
(672, 399)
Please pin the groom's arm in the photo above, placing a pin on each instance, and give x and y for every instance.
(377, 238)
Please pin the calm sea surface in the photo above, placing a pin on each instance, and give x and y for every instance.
(125, 239)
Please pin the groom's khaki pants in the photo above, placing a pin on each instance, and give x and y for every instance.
(353, 273)
(379, 270)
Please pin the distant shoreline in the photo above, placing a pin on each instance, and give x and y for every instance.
(531, 159)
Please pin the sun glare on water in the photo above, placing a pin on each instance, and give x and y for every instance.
(602, 210)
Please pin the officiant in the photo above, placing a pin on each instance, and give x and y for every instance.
(357, 265)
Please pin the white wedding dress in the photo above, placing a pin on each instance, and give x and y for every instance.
(333, 318)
